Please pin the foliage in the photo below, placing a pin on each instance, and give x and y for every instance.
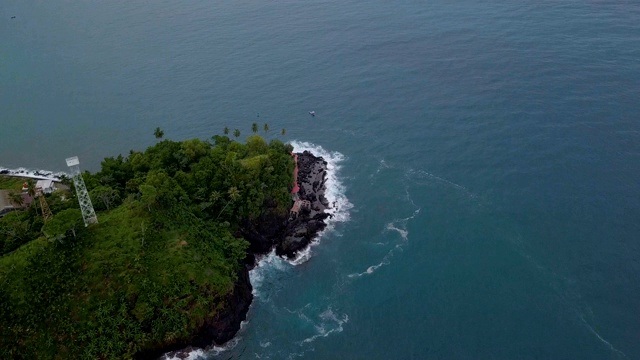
(11, 183)
(104, 197)
(63, 223)
(158, 133)
(16, 229)
(158, 264)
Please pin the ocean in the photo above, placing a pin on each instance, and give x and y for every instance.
(485, 156)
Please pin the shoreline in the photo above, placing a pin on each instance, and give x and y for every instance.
(34, 174)
(289, 236)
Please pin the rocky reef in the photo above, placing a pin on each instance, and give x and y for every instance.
(302, 227)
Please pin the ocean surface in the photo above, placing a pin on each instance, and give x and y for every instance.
(486, 156)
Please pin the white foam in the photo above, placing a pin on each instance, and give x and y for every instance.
(339, 204)
(329, 323)
(194, 354)
(403, 232)
(381, 166)
(200, 354)
(34, 174)
(399, 226)
(266, 264)
(303, 255)
(372, 268)
(422, 173)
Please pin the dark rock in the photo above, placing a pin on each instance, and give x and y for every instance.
(218, 329)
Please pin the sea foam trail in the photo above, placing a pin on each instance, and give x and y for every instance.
(399, 226)
(340, 205)
(329, 322)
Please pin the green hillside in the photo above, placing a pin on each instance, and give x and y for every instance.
(157, 265)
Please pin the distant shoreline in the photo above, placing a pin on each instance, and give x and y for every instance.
(34, 174)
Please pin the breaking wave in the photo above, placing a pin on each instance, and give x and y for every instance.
(34, 174)
(202, 354)
(339, 204)
(266, 271)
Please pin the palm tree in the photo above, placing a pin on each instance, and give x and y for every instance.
(31, 190)
(236, 133)
(234, 194)
(254, 128)
(215, 196)
(283, 132)
(266, 127)
(158, 133)
(226, 130)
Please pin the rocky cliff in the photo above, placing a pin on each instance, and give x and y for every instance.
(287, 234)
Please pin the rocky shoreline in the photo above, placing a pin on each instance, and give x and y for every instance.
(287, 234)
(34, 174)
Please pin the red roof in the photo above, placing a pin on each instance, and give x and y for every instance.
(296, 188)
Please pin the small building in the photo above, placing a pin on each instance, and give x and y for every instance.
(47, 186)
(7, 204)
(299, 205)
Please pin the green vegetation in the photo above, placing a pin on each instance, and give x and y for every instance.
(158, 133)
(11, 183)
(157, 265)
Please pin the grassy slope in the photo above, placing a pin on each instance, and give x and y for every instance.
(125, 294)
(11, 182)
(137, 280)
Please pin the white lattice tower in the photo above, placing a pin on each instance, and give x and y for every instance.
(88, 214)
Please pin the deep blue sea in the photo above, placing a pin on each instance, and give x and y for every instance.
(486, 156)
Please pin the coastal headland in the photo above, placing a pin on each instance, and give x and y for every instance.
(180, 225)
(288, 235)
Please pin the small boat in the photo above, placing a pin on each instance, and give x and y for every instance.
(312, 113)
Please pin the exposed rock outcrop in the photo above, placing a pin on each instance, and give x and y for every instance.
(219, 329)
(294, 232)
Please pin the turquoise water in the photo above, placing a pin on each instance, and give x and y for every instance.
(488, 155)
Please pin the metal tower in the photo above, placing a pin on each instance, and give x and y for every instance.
(46, 212)
(88, 214)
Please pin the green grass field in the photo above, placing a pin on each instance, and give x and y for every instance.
(11, 182)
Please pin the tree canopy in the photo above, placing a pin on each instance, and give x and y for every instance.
(158, 263)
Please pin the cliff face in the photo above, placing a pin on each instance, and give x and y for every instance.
(294, 232)
(288, 235)
(219, 329)
(226, 324)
